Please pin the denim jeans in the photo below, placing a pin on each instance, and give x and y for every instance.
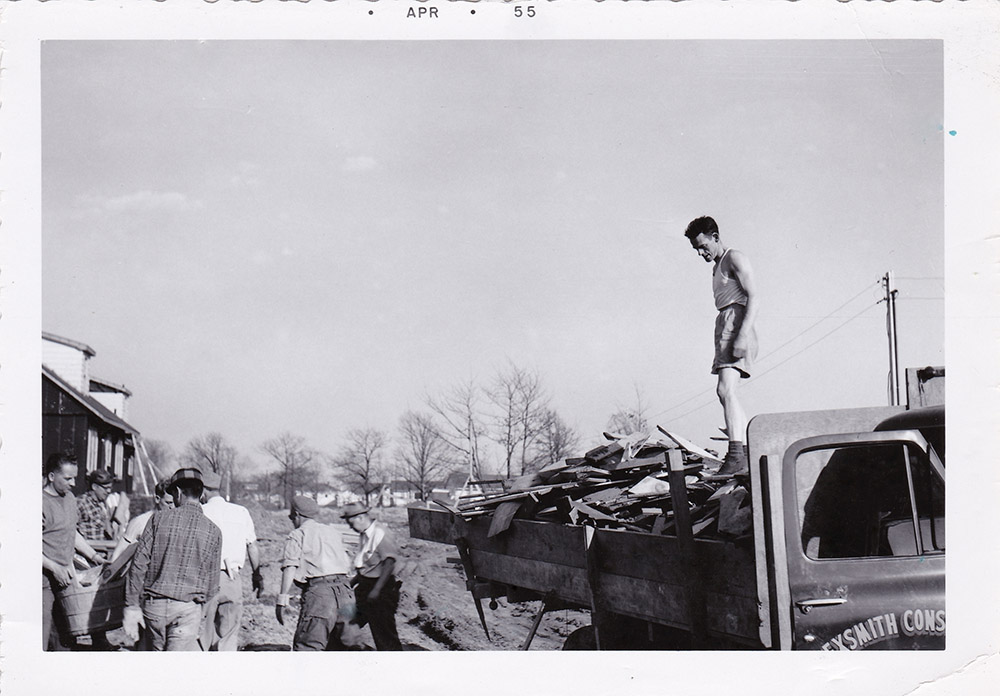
(172, 625)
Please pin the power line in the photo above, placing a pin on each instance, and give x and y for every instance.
(768, 355)
(774, 367)
(828, 333)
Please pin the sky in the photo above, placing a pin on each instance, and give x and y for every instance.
(260, 237)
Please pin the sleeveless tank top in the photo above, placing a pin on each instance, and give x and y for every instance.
(727, 290)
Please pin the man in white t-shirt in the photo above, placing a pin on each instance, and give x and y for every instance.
(136, 525)
(224, 612)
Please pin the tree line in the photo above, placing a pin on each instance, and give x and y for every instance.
(502, 427)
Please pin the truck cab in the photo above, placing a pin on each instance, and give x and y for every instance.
(862, 518)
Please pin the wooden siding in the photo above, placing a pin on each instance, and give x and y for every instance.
(68, 426)
(67, 362)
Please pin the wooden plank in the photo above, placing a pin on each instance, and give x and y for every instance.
(431, 525)
(734, 617)
(694, 588)
(503, 516)
(543, 541)
(726, 567)
(689, 446)
(565, 582)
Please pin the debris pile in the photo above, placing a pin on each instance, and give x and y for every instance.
(623, 485)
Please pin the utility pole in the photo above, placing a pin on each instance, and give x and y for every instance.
(890, 301)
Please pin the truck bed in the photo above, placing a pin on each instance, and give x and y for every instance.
(640, 575)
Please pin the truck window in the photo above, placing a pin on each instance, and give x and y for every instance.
(856, 502)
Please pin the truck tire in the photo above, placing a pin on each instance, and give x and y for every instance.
(581, 639)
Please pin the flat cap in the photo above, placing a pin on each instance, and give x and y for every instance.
(211, 480)
(184, 474)
(305, 507)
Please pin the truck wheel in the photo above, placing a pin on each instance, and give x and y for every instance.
(581, 639)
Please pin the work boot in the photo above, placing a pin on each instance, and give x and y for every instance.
(735, 461)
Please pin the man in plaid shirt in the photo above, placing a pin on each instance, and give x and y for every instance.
(175, 570)
(94, 520)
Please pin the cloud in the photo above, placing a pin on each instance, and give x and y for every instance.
(140, 201)
(247, 175)
(360, 163)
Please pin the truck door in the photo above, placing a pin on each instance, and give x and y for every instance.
(865, 542)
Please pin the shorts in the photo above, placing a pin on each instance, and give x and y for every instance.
(727, 326)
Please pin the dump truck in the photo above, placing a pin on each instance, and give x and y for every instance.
(847, 550)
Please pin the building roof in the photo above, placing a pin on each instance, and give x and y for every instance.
(89, 403)
(83, 347)
(105, 386)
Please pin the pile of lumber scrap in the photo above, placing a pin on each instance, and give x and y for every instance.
(622, 485)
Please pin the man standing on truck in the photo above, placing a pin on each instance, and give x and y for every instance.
(736, 300)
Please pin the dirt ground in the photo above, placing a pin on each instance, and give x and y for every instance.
(436, 612)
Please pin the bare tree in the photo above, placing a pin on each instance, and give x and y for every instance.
(631, 418)
(361, 460)
(298, 464)
(162, 456)
(461, 424)
(557, 440)
(211, 452)
(521, 404)
(423, 453)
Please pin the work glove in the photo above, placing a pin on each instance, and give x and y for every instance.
(132, 621)
(257, 580)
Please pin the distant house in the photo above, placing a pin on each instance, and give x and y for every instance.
(458, 485)
(87, 416)
(399, 493)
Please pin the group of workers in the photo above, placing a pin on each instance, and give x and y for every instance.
(184, 582)
(183, 588)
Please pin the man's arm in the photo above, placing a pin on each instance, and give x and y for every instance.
(81, 546)
(136, 581)
(63, 575)
(289, 565)
(256, 580)
(743, 273)
(386, 569)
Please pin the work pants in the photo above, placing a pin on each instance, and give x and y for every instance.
(320, 624)
(223, 614)
(172, 625)
(380, 614)
(53, 621)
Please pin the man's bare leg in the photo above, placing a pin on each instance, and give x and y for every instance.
(736, 420)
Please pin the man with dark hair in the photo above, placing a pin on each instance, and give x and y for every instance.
(60, 538)
(315, 559)
(737, 301)
(175, 570)
(94, 517)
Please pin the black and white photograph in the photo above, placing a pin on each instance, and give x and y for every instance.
(513, 334)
